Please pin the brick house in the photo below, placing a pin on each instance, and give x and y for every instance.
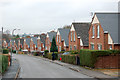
(42, 41)
(48, 40)
(62, 39)
(78, 36)
(103, 33)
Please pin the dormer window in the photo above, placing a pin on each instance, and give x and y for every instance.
(98, 31)
(93, 32)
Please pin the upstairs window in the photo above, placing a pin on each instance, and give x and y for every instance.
(98, 31)
(93, 31)
(71, 36)
(74, 36)
(57, 38)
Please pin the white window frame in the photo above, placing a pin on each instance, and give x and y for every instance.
(59, 48)
(98, 31)
(57, 38)
(99, 47)
(92, 46)
(71, 36)
(74, 36)
(110, 47)
(93, 32)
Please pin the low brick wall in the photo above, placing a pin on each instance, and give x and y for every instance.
(112, 61)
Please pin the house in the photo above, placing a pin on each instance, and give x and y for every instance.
(62, 41)
(42, 41)
(78, 36)
(48, 40)
(104, 31)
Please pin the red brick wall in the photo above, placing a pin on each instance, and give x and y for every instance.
(108, 62)
(96, 40)
(58, 43)
(117, 46)
(47, 43)
(72, 43)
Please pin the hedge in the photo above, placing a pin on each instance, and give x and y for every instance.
(89, 57)
(69, 59)
(4, 63)
(5, 51)
(49, 55)
(45, 53)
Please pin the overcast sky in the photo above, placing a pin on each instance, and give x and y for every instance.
(36, 16)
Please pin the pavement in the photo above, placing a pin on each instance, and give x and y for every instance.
(88, 72)
(13, 70)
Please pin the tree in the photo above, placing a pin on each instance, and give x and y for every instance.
(53, 46)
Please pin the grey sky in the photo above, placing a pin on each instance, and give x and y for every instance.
(33, 16)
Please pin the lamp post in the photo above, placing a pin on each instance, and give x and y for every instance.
(11, 47)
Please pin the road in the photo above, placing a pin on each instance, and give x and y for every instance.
(33, 67)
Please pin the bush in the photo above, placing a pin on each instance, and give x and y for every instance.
(14, 51)
(74, 52)
(49, 56)
(89, 57)
(45, 53)
(5, 51)
(4, 63)
(69, 59)
(36, 54)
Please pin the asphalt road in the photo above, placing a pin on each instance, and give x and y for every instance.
(32, 67)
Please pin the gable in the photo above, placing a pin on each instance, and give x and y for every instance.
(110, 41)
(95, 20)
(72, 28)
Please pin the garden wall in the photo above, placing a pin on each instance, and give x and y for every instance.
(111, 61)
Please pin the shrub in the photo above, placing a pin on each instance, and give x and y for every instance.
(74, 52)
(69, 59)
(89, 57)
(49, 55)
(45, 53)
(36, 54)
(4, 62)
(14, 51)
(5, 51)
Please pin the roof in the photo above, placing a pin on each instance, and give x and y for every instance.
(42, 38)
(28, 41)
(51, 35)
(64, 35)
(34, 40)
(109, 22)
(82, 32)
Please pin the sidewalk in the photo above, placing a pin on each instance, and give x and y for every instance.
(88, 72)
(13, 70)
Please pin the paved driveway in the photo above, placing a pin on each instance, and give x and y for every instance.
(32, 67)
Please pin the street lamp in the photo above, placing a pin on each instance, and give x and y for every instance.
(11, 47)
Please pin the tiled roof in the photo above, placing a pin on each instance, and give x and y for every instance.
(51, 35)
(82, 32)
(64, 35)
(110, 22)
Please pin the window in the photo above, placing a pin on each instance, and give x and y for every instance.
(46, 48)
(57, 38)
(71, 36)
(74, 47)
(98, 31)
(74, 36)
(99, 47)
(110, 47)
(92, 46)
(60, 48)
(93, 30)
(70, 47)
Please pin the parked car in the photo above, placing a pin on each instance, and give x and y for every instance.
(66, 53)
